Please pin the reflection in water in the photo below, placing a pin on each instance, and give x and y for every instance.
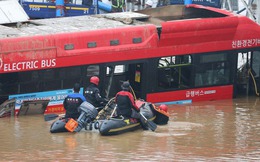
(204, 131)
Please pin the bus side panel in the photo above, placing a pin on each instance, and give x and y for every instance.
(132, 38)
(55, 109)
(27, 53)
(72, 49)
(193, 95)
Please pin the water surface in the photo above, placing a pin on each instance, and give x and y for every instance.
(226, 130)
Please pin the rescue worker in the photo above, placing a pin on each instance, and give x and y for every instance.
(72, 102)
(92, 93)
(118, 5)
(125, 103)
(163, 107)
(151, 3)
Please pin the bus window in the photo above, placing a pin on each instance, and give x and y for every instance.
(69, 76)
(212, 69)
(49, 79)
(174, 72)
(28, 81)
(93, 70)
(8, 84)
(256, 64)
(71, 72)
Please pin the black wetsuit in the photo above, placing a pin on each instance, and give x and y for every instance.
(71, 104)
(125, 103)
(93, 96)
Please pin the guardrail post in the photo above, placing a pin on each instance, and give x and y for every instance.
(187, 2)
(60, 8)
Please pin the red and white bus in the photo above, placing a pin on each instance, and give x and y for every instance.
(171, 54)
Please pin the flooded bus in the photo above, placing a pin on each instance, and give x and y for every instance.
(171, 54)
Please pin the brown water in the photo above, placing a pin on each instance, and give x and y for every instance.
(227, 130)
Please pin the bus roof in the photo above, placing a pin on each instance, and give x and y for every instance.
(112, 20)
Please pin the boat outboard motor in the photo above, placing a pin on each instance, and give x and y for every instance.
(87, 114)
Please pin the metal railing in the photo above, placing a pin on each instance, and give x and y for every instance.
(249, 8)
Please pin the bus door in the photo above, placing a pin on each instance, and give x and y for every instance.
(136, 79)
(116, 74)
(111, 77)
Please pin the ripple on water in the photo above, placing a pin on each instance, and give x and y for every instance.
(173, 129)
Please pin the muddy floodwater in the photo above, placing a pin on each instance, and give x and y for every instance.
(226, 130)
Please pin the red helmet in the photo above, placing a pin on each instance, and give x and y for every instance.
(94, 80)
(163, 107)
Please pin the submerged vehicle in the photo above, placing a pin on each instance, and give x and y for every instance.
(7, 108)
(173, 54)
(14, 107)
